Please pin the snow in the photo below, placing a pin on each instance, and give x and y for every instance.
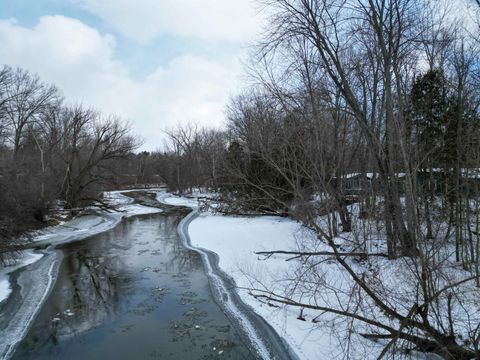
(4, 288)
(35, 282)
(235, 240)
(221, 290)
(180, 201)
(88, 225)
(27, 258)
(117, 198)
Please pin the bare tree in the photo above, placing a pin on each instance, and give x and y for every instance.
(368, 53)
(28, 97)
(89, 142)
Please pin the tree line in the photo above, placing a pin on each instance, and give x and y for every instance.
(362, 118)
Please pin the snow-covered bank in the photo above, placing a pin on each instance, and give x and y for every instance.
(73, 230)
(89, 225)
(177, 200)
(236, 239)
(26, 258)
(34, 284)
(39, 269)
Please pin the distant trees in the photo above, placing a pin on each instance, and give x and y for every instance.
(192, 158)
(51, 152)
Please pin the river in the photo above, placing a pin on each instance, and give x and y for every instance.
(133, 292)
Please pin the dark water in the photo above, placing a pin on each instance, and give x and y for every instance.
(132, 293)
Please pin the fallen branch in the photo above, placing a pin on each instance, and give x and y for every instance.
(442, 345)
(298, 254)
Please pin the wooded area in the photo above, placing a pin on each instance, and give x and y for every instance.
(362, 122)
(52, 155)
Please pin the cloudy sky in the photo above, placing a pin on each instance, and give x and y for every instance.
(154, 62)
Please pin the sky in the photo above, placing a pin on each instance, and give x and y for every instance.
(155, 63)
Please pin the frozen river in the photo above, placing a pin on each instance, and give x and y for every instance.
(133, 292)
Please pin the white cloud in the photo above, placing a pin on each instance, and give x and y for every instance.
(145, 20)
(81, 61)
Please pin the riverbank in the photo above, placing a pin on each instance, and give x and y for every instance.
(73, 230)
(227, 245)
(235, 240)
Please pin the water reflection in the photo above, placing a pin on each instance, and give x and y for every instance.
(132, 293)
